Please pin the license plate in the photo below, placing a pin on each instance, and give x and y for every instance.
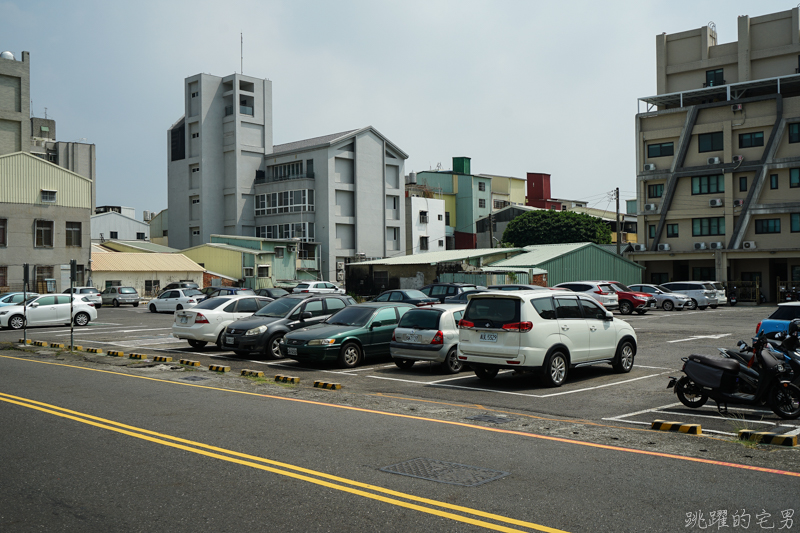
(228, 340)
(291, 351)
(183, 320)
(488, 337)
(651, 304)
(411, 338)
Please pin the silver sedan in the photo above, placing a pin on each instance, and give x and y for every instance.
(665, 298)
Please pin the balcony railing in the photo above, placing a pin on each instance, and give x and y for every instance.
(714, 83)
(267, 178)
(243, 110)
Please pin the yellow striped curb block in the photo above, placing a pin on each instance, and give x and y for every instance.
(94, 350)
(663, 425)
(287, 379)
(115, 353)
(137, 356)
(331, 386)
(78, 348)
(57, 345)
(40, 343)
(162, 359)
(219, 368)
(188, 362)
(25, 341)
(253, 373)
(768, 437)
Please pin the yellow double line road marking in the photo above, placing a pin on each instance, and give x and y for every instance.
(284, 469)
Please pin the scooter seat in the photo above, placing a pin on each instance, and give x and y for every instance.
(727, 365)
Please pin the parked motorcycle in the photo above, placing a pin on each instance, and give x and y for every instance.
(723, 380)
(732, 298)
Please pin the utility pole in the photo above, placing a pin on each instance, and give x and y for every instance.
(491, 230)
(619, 233)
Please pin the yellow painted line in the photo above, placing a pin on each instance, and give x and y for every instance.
(445, 422)
(253, 462)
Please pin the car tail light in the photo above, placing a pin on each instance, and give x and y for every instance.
(758, 328)
(518, 326)
(513, 362)
(304, 291)
(192, 301)
(438, 338)
(601, 293)
(200, 319)
(466, 324)
(393, 337)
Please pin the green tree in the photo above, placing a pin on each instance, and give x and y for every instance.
(556, 227)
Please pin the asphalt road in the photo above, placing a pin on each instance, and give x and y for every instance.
(124, 445)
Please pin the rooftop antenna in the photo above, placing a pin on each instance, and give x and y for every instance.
(45, 113)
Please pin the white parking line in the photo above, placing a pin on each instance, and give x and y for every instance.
(658, 368)
(603, 386)
(93, 332)
(728, 418)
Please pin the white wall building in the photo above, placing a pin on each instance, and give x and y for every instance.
(115, 226)
(425, 225)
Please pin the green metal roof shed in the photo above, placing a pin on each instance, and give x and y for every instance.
(578, 261)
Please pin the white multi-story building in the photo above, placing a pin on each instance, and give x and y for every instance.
(425, 225)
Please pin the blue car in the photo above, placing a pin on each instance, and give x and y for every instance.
(14, 298)
(780, 318)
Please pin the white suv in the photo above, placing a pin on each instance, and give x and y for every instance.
(599, 290)
(550, 331)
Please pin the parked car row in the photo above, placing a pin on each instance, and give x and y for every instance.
(48, 309)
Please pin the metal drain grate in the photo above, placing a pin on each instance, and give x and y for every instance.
(193, 378)
(491, 418)
(444, 472)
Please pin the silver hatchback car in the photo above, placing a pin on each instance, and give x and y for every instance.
(428, 334)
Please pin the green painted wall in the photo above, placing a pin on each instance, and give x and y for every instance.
(591, 263)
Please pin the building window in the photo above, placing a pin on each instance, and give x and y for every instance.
(440, 217)
(4, 276)
(714, 78)
(794, 178)
(113, 235)
(43, 273)
(423, 217)
(285, 202)
(195, 201)
(195, 169)
(655, 191)
(48, 196)
(73, 234)
(263, 271)
(152, 286)
(708, 226)
(659, 277)
(481, 186)
(3, 232)
(140, 236)
(795, 222)
(286, 171)
(708, 184)
(794, 133)
(195, 232)
(768, 225)
(195, 94)
(672, 230)
(701, 273)
(481, 203)
(441, 241)
(710, 142)
(261, 232)
(301, 230)
(248, 272)
(44, 233)
(773, 181)
(423, 243)
(660, 150)
(742, 183)
(651, 231)
(279, 252)
(195, 135)
(447, 218)
(749, 140)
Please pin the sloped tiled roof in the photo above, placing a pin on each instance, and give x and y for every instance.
(540, 253)
(135, 262)
(308, 143)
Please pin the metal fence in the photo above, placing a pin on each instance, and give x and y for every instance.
(485, 278)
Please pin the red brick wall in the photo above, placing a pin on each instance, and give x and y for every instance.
(219, 282)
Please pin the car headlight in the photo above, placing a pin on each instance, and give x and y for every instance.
(256, 331)
(321, 342)
(3, 312)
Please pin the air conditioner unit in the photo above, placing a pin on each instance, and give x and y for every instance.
(715, 202)
(340, 265)
(663, 247)
(649, 166)
(738, 158)
(738, 203)
(713, 161)
(650, 207)
(699, 246)
(639, 248)
(737, 107)
(340, 276)
(749, 245)
(717, 246)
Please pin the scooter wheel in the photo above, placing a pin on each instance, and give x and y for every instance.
(689, 393)
(784, 400)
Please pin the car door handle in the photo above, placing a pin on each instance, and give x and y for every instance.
(593, 328)
(565, 328)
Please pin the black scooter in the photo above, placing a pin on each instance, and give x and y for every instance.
(732, 298)
(721, 380)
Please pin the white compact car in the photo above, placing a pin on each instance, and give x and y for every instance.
(175, 300)
(547, 331)
(48, 309)
(318, 287)
(600, 291)
(206, 321)
(92, 294)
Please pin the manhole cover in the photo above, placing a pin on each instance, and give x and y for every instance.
(491, 418)
(444, 472)
(193, 378)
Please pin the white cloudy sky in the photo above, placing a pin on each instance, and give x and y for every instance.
(518, 86)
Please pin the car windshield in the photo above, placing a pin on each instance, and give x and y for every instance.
(278, 308)
(277, 293)
(662, 288)
(191, 292)
(350, 316)
(89, 291)
(708, 287)
(127, 290)
(621, 287)
(29, 301)
(421, 319)
(416, 294)
(786, 312)
(302, 286)
(211, 303)
(718, 286)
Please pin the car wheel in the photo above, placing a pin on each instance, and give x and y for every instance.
(405, 364)
(485, 374)
(196, 344)
(555, 368)
(641, 311)
(136, 304)
(178, 307)
(691, 305)
(153, 308)
(690, 394)
(451, 364)
(81, 319)
(98, 306)
(273, 348)
(115, 302)
(623, 362)
(219, 340)
(784, 400)
(714, 306)
(702, 307)
(350, 356)
(668, 305)
(625, 308)
(16, 322)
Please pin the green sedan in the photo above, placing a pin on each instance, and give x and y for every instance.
(347, 336)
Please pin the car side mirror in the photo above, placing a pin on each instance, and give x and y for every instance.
(34, 304)
(375, 324)
(609, 316)
(305, 315)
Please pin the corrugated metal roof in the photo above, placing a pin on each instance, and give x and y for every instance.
(142, 245)
(232, 248)
(97, 249)
(535, 271)
(540, 253)
(135, 262)
(308, 143)
(24, 176)
(437, 257)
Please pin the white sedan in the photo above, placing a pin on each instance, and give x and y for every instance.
(206, 321)
(318, 287)
(48, 309)
(175, 300)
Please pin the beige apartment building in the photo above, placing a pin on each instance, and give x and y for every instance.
(718, 156)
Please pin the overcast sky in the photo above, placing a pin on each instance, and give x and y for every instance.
(518, 86)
